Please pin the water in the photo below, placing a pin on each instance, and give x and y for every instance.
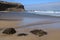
(50, 13)
(26, 19)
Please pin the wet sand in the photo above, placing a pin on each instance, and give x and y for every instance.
(51, 26)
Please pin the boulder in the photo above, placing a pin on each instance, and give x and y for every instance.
(38, 32)
(9, 31)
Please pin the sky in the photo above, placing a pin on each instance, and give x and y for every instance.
(46, 6)
(25, 2)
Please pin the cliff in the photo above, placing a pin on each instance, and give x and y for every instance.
(9, 6)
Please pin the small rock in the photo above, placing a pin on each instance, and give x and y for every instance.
(38, 32)
(9, 31)
(22, 34)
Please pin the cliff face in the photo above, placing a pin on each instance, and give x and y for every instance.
(8, 6)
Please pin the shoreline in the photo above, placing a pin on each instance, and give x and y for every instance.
(52, 27)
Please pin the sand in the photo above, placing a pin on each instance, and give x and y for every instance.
(6, 24)
(50, 26)
(53, 34)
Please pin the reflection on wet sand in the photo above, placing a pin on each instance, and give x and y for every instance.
(26, 22)
(38, 23)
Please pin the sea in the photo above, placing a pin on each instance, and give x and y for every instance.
(30, 19)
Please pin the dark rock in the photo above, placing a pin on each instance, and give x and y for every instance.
(38, 32)
(9, 31)
(22, 34)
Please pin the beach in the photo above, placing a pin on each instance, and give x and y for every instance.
(53, 34)
(50, 25)
(30, 20)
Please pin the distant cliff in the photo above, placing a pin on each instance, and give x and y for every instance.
(9, 6)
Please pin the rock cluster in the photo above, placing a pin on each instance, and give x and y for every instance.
(35, 32)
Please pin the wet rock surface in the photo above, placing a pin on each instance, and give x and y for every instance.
(38, 32)
(9, 31)
(22, 34)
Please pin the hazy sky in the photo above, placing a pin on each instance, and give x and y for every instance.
(32, 1)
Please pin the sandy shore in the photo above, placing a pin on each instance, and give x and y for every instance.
(53, 34)
(52, 27)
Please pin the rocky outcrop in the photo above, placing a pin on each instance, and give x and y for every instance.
(9, 6)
